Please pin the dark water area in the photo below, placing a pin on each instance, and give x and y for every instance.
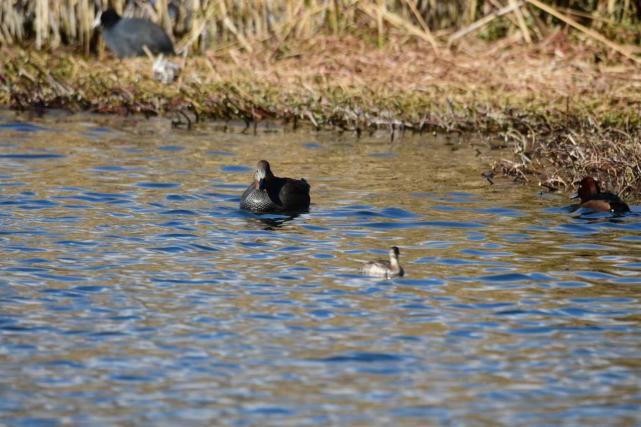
(134, 291)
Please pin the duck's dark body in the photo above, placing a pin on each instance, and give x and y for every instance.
(126, 36)
(269, 193)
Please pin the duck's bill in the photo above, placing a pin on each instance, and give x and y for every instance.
(574, 196)
(262, 184)
(96, 22)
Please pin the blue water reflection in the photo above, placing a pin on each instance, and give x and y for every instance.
(133, 291)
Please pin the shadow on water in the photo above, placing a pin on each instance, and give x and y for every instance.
(270, 221)
(134, 290)
(591, 216)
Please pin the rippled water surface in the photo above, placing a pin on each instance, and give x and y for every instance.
(133, 290)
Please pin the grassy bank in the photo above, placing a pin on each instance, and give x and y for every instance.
(560, 85)
(564, 114)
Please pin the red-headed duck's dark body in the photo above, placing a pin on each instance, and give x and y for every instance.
(593, 198)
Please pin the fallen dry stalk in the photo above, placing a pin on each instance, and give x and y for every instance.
(484, 21)
(591, 33)
(397, 21)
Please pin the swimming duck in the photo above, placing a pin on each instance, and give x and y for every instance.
(127, 36)
(592, 198)
(269, 193)
(383, 268)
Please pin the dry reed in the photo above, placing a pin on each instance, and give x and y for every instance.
(199, 25)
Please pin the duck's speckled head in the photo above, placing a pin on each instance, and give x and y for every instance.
(394, 252)
(263, 174)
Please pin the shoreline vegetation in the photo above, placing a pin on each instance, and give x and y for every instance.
(561, 87)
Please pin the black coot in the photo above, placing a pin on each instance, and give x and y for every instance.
(127, 36)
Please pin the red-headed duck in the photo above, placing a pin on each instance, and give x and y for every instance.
(592, 198)
(383, 268)
(269, 193)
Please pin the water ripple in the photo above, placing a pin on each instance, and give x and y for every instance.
(134, 291)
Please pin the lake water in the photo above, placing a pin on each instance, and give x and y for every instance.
(133, 291)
